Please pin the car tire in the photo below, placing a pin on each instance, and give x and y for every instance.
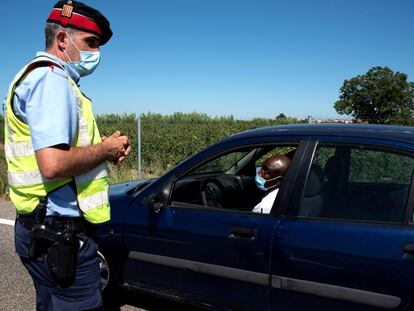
(111, 293)
(104, 271)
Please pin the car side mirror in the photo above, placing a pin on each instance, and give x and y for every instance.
(160, 198)
(156, 203)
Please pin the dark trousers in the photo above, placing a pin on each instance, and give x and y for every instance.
(81, 294)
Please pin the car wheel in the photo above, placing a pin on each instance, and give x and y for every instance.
(104, 271)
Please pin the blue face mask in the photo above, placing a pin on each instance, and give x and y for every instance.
(260, 182)
(87, 63)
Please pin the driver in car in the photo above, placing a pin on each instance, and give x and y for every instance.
(269, 179)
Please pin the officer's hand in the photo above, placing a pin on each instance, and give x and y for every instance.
(127, 147)
(116, 147)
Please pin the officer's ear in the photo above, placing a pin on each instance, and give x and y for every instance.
(62, 40)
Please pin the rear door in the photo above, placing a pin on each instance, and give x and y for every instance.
(347, 240)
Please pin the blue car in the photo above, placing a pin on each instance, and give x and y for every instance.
(339, 236)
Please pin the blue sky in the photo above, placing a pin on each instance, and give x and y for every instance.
(225, 57)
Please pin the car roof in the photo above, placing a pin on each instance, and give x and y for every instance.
(388, 132)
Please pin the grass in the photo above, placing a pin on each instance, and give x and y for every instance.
(123, 173)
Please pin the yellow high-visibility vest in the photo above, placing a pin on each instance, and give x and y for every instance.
(27, 184)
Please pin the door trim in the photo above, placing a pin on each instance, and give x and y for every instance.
(278, 282)
(336, 292)
(206, 268)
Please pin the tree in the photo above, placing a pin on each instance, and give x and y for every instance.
(380, 96)
(281, 116)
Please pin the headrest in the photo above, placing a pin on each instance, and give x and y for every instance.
(313, 184)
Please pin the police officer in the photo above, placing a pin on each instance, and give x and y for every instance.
(57, 162)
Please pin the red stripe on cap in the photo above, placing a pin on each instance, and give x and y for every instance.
(75, 20)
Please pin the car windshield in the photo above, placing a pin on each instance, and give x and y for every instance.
(221, 164)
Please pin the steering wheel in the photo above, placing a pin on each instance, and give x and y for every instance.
(211, 192)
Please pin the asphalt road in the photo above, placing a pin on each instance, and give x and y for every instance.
(16, 287)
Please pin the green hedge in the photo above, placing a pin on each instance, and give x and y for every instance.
(167, 140)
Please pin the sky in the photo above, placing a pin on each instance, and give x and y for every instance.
(249, 59)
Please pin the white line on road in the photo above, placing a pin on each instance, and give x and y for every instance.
(7, 222)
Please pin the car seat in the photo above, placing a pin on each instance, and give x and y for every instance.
(312, 200)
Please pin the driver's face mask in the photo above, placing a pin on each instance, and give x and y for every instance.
(260, 182)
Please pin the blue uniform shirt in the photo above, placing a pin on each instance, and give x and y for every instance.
(44, 100)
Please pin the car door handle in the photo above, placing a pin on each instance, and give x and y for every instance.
(408, 249)
(241, 233)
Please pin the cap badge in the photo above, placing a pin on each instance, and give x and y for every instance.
(67, 10)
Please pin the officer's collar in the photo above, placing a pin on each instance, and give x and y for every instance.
(70, 71)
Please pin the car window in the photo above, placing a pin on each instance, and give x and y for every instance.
(390, 167)
(228, 181)
(361, 183)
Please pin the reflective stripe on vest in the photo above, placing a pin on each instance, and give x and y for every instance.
(28, 178)
(27, 184)
(93, 201)
(98, 172)
(18, 150)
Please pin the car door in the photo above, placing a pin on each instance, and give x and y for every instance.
(347, 241)
(214, 255)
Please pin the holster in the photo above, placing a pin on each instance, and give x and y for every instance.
(37, 218)
(61, 245)
(61, 256)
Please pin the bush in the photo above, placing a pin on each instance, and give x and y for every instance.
(167, 140)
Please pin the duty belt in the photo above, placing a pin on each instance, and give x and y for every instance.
(56, 223)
